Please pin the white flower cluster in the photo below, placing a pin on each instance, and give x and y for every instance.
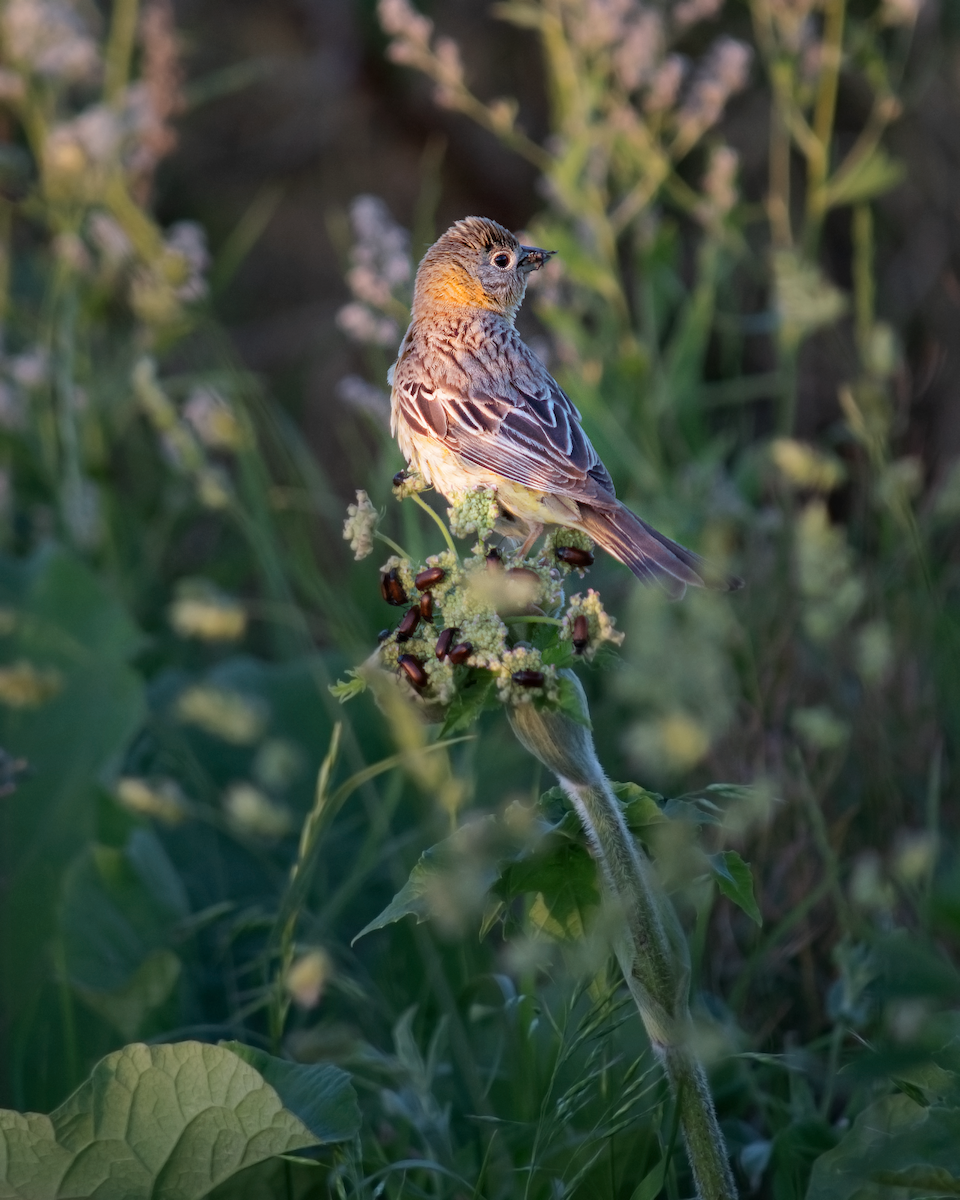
(360, 525)
(476, 511)
(599, 623)
(516, 673)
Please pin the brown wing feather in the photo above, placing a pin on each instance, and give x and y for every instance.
(518, 423)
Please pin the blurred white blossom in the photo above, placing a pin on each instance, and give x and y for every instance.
(380, 266)
(363, 325)
(363, 396)
(159, 798)
(723, 72)
(110, 239)
(307, 978)
(223, 713)
(25, 685)
(639, 50)
(665, 84)
(400, 20)
(214, 420)
(48, 37)
(251, 812)
(358, 528)
(187, 240)
(200, 610)
(689, 12)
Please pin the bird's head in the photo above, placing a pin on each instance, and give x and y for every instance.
(476, 264)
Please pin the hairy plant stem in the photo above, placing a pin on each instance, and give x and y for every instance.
(651, 950)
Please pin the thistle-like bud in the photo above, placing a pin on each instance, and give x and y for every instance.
(564, 745)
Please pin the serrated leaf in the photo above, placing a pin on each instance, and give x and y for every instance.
(167, 1122)
(699, 811)
(734, 879)
(418, 896)
(320, 1094)
(563, 881)
(345, 689)
(640, 807)
(468, 703)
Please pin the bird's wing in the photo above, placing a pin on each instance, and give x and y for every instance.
(516, 422)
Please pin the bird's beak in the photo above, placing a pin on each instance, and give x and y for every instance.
(532, 258)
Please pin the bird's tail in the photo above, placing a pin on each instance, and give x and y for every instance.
(651, 556)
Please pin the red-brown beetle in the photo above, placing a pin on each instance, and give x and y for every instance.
(459, 654)
(429, 578)
(426, 606)
(391, 588)
(494, 560)
(408, 626)
(573, 556)
(444, 642)
(581, 633)
(413, 669)
(528, 678)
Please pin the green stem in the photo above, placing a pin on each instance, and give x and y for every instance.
(652, 951)
(123, 30)
(442, 527)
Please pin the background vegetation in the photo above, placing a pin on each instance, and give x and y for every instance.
(755, 306)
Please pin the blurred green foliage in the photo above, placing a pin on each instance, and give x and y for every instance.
(193, 831)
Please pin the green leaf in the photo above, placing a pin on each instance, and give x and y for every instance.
(640, 807)
(468, 703)
(321, 1095)
(345, 689)
(119, 905)
(651, 1184)
(570, 703)
(420, 894)
(865, 178)
(894, 1144)
(128, 1006)
(563, 881)
(733, 877)
(165, 1122)
(65, 620)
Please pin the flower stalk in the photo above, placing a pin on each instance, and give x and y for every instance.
(651, 952)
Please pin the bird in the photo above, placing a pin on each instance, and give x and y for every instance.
(471, 405)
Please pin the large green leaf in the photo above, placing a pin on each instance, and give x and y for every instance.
(65, 625)
(321, 1095)
(896, 1150)
(170, 1123)
(427, 886)
(562, 878)
(119, 918)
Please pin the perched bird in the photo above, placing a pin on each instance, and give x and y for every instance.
(471, 404)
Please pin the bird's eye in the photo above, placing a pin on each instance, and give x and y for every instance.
(501, 260)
